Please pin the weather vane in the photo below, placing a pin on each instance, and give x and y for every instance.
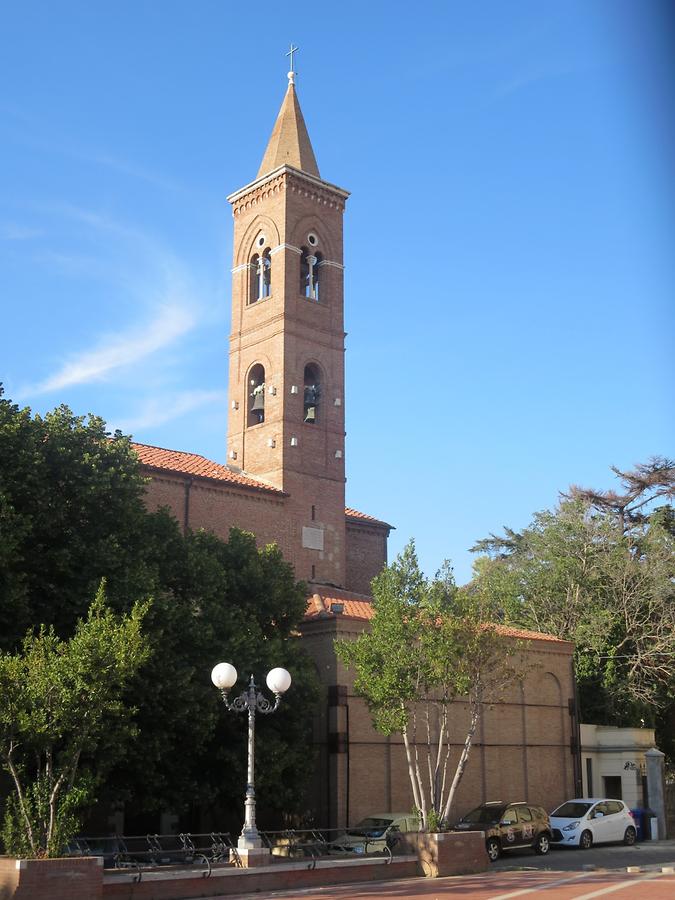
(290, 53)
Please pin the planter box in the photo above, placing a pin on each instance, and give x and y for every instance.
(448, 853)
(72, 878)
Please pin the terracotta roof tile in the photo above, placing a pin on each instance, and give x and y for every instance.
(199, 466)
(362, 517)
(354, 606)
(359, 606)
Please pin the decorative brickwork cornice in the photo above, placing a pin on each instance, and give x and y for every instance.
(287, 178)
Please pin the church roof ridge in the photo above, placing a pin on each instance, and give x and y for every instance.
(289, 142)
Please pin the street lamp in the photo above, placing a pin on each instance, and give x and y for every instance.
(278, 680)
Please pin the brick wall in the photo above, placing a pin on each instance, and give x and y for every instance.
(522, 751)
(366, 555)
(51, 879)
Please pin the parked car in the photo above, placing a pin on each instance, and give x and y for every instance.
(591, 820)
(375, 832)
(508, 826)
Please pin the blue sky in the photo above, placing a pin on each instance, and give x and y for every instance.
(509, 240)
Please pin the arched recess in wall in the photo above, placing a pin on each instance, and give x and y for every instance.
(549, 690)
(247, 243)
(313, 225)
(255, 395)
(315, 275)
(313, 389)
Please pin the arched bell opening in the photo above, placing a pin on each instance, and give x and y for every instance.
(312, 394)
(256, 395)
(310, 273)
(260, 269)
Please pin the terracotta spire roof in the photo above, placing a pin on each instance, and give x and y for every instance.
(289, 144)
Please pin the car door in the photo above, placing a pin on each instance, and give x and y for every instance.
(601, 823)
(526, 824)
(616, 820)
(510, 828)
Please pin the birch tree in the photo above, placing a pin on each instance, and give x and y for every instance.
(430, 646)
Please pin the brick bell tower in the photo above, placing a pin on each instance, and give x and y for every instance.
(286, 387)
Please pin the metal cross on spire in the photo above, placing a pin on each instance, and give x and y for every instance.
(290, 53)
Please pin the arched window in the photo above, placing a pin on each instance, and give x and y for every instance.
(310, 262)
(256, 395)
(312, 394)
(261, 276)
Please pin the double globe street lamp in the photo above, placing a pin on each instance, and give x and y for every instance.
(224, 676)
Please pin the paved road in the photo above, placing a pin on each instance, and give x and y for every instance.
(529, 876)
(608, 856)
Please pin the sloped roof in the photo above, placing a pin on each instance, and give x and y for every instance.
(354, 606)
(199, 466)
(182, 463)
(366, 519)
(360, 606)
(289, 144)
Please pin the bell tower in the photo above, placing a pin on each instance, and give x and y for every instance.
(286, 387)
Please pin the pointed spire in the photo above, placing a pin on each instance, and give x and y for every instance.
(289, 144)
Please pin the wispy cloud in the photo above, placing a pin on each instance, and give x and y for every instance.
(12, 231)
(117, 351)
(160, 409)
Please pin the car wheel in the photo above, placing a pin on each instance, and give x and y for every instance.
(493, 849)
(542, 844)
(586, 840)
(629, 836)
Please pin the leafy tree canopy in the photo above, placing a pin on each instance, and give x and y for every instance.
(71, 513)
(599, 570)
(58, 700)
(429, 644)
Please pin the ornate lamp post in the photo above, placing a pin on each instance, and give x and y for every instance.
(224, 676)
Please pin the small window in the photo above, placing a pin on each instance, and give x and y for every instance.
(312, 394)
(256, 395)
(510, 817)
(524, 814)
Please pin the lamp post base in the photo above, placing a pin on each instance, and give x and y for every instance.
(253, 856)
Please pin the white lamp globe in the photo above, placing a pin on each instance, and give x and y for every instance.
(224, 676)
(278, 681)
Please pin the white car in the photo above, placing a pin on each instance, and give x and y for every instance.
(592, 820)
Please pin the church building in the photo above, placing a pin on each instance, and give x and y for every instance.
(285, 481)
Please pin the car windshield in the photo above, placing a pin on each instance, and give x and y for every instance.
(370, 827)
(484, 815)
(572, 810)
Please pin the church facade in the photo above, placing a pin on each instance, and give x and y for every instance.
(284, 480)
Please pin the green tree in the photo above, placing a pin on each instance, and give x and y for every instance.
(429, 644)
(599, 570)
(58, 700)
(219, 600)
(71, 513)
